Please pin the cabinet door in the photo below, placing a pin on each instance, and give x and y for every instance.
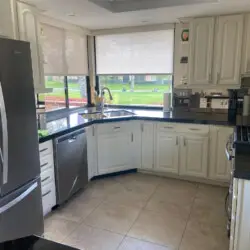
(114, 152)
(201, 51)
(7, 28)
(166, 152)
(147, 145)
(246, 47)
(194, 155)
(219, 166)
(30, 31)
(228, 49)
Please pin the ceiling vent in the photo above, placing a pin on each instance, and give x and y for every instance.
(117, 6)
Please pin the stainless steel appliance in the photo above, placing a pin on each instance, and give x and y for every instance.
(71, 164)
(20, 189)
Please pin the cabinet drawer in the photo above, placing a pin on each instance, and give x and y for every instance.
(168, 127)
(114, 127)
(194, 129)
(48, 197)
(45, 148)
(46, 162)
(47, 176)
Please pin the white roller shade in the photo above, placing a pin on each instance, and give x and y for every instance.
(53, 40)
(76, 53)
(135, 53)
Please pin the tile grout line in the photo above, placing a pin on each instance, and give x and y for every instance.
(188, 217)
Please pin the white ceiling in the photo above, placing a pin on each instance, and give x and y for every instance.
(91, 16)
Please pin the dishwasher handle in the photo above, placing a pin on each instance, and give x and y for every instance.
(70, 137)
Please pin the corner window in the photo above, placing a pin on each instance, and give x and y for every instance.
(144, 90)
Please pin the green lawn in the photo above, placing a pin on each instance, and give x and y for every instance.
(147, 94)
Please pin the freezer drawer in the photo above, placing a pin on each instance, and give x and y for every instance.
(21, 212)
(71, 168)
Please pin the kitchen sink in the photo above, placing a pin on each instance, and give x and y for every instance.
(117, 113)
(107, 114)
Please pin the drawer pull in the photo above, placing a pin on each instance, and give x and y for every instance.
(43, 150)
(45, 164)
(47, 193)
(194, 129)
(45, 179)
(167, 127)
(116, 127)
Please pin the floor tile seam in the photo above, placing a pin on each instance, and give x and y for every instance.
(189, 216)
(103, 229)
(147, 241)
(124, 237)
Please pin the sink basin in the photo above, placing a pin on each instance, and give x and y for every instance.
(117, 113)
(107, 114)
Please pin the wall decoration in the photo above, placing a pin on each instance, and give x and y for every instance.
(185, 35)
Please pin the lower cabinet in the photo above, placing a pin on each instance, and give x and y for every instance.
(147, 145)
(194, 156)
(219, 166)
(114, 148)
(167, 152)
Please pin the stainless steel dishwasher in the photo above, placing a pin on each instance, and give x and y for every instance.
(71, 166)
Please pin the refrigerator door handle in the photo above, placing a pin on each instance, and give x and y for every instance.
(18, 199)
(4, 149)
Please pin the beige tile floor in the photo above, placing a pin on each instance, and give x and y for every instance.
(142, 212)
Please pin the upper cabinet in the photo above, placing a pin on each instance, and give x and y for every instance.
(228, 49)
(246, 47)
(30, 31)
(201, 51)
(216, 50)
(8, 19)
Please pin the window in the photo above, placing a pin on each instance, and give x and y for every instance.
(67, 92)
(137, 89)
(56, 99)
(137, 67)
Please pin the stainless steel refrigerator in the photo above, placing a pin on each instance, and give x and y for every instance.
(20, 186)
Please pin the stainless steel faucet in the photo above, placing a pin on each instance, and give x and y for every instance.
(102, 97)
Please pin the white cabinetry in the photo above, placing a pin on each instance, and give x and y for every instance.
(147, 145)
(228, 48)
(8, 19)
(201, 51)
(114, 147)
(194, 155)
(246, 47)
(47, 176)
(167, 152)
(30, 31)
(219, 166)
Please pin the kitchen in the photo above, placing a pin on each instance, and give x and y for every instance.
(147, 153)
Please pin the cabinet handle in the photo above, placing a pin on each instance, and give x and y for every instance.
(168, 127)
(184, 142)
(210, 78)
(132, 137)
(43, 150)
(47, 193)
(142, 128)
(177, 141)
(45, 179)
(93, 131)
(194, 129)
(45, 164)
(116, 128)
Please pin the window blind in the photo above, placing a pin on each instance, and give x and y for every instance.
(76, 53)
(135, 53)
(64, 51)
(53, 50)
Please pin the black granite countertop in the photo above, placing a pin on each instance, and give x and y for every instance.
(71, 122)
(33, 243)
